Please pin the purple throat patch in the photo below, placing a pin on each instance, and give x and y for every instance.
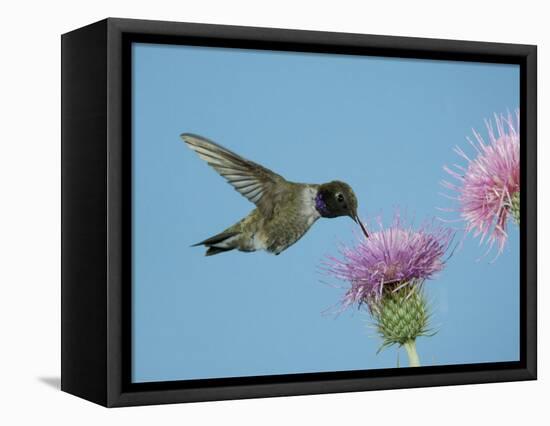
(320, 204)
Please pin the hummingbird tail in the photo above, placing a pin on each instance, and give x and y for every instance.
(218, 243)
(216, 250)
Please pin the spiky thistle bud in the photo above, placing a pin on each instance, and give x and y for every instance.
(401, 315)
(515, 207)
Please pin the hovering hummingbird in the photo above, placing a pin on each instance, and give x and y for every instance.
(284, 210)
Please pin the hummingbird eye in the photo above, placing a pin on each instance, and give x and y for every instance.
(340, 197)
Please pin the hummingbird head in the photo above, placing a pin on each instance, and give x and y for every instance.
(336, 199)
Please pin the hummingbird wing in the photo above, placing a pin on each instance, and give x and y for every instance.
(259, 185)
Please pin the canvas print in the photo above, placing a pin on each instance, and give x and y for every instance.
(298, 212)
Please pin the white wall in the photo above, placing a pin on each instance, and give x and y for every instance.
(29, 212)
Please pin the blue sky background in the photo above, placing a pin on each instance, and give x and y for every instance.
(385, 126)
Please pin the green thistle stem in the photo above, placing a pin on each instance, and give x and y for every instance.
(410, 347)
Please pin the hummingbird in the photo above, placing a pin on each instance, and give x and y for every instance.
(284, 211)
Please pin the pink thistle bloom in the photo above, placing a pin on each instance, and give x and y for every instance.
(488, 188)
(392, 257)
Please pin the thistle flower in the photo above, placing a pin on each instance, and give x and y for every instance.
(386, 272)
(397, 254)
(488, 188)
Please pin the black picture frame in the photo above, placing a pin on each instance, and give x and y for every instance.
(96, 212)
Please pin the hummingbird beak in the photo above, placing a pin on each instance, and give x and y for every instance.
(355, 217)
